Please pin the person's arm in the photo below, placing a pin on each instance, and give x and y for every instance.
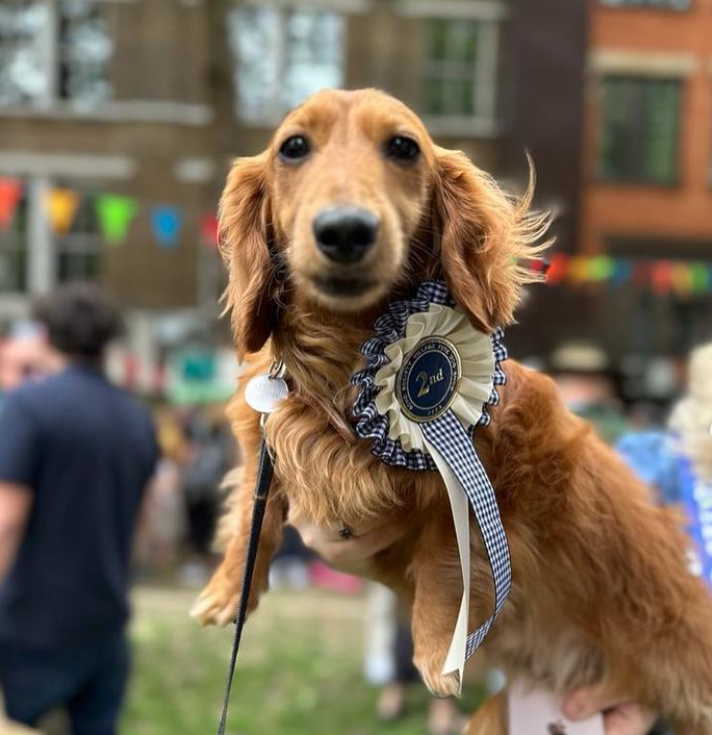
(15, 504)
(20, 439)
(621, 716)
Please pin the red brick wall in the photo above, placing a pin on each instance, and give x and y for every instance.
(685, 210)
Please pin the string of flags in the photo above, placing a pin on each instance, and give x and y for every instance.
(114, 213)
(662, 276)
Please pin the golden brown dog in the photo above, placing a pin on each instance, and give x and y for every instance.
(351, 207)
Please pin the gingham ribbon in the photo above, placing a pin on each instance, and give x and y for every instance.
(450, 449)
(450, 445)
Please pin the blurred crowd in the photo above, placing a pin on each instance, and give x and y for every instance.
(183, 500)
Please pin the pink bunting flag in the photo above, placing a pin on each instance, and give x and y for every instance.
(209, 231)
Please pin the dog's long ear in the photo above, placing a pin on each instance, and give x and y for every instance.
(486, 237)
(245, 233)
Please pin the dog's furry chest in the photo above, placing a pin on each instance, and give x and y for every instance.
(330, 478)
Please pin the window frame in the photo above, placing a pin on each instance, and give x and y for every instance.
(85, 245)
(275, 109)
(485, 79)
(42, 248)
(53, 56)
(639, 178)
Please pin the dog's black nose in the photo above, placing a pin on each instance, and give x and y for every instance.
(345, 234)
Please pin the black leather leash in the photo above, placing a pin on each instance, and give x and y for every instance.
(262, 488)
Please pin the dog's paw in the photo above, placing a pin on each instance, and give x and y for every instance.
(431, 671)
(217, 604)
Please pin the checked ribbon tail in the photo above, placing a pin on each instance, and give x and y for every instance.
(469, 487)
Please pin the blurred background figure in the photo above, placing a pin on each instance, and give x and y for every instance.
(649, 450)
(589, 387)
(76, 454)
(207, 459)
(692, 417)
(691, 424)
(24, 354)
(164, 523)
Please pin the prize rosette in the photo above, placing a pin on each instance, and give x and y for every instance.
(426, 386)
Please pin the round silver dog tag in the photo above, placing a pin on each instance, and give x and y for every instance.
(264, 393)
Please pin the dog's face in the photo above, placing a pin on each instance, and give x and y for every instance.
(351, 178)
(352, 198)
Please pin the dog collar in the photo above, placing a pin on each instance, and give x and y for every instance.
(426, 387)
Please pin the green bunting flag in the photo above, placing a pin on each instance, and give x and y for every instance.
(115, 215)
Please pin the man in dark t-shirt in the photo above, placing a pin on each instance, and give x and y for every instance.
(76, 454)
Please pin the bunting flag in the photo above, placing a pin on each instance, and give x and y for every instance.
(167, 223)
(10, 195)
(62, 205)
(663, 277)
(115, 214)
(209, 231)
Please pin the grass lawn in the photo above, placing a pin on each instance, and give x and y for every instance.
(300, 671)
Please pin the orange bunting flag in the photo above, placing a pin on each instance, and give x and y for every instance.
(662, 277)
(10, 195)
(558, 268)
(62, 206)
(682, 279)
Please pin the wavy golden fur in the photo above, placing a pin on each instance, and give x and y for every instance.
(601, 592)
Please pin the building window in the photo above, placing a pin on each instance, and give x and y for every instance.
(640, 130)
(282, 55)
(75, 255)
(79, 251)
(54, 51)
(460, 70)
(84, 51)
(659, 4)
(13, 251)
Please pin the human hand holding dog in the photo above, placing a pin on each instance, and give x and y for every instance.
(621, 715)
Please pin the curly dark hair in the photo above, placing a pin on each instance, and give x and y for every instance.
(80, 320)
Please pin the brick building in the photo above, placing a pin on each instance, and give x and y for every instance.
(152, 98)
(647, 184)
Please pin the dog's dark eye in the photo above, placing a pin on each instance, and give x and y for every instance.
(402, 149)
(295, 148)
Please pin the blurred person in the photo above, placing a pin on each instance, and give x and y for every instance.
(163, 521)
(208, 463)
(692, 417)
(76, 454)
(25, 354)
(648, 449)
(588, 386)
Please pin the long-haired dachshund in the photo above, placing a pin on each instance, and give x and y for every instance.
(351, 207)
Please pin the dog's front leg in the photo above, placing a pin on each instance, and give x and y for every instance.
(438, 593)
(217, 605)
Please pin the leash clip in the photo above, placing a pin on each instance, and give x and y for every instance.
(277, 370)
